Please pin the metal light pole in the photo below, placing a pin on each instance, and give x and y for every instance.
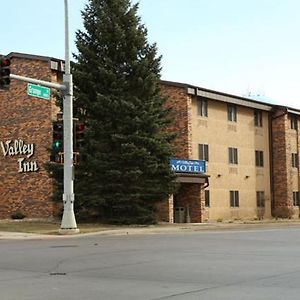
(68, 223)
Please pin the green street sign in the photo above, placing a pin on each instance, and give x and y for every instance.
(38, 91)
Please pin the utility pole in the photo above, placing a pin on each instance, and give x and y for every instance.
(68, 223)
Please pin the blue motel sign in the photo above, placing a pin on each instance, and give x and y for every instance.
(188, 166)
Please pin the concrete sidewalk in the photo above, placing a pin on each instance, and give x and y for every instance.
(160, 229)
(5, 235)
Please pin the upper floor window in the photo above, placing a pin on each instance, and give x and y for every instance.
(257, 118)
(231, 109)
(233, 155)
(203, 152)
(202, 107)
(294, 124)
(295, 160)
(234, 199)
(259, 158)
(260, 199)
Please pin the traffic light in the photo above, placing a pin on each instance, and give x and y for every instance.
(58, 134)
(4, 72)
(79, 129)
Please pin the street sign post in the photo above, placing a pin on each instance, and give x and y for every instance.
(38, 91)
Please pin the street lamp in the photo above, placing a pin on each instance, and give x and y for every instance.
(68, 223)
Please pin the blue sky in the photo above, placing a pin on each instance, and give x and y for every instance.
(233, 46)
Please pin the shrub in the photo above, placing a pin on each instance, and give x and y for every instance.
(18, 215)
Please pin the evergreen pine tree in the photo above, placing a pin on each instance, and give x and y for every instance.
(125, 170)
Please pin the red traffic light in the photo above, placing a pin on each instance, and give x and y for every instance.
(5, 62)
(80, 127)
(4, 72)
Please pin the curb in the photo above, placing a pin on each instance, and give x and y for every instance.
(154, 229)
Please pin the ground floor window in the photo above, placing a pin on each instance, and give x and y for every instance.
(234, 199)
(260, 199)
(296, 198)
(207, 198)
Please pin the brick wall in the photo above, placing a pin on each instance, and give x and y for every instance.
(281, 152)
(181, 106)
(26, 120)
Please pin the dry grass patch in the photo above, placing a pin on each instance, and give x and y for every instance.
(46, 227)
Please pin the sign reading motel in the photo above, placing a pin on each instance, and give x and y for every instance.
(188, 166)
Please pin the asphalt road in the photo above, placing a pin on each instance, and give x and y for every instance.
(236, 265)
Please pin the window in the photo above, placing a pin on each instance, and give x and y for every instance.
(295, 160)
(258, 118)
(231, 112)
(207, 199)
(202, 107)
(296, 198)
(259, 158)
(260, 199)
(234, 199)
(294, 124)
(233, 156)
(203, 152)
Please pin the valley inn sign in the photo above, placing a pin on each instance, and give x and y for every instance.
(20, 148)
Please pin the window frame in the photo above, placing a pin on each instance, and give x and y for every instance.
(259, 158)
(204, 150)
(234, 199)
(258, 118)
(294, 122)
(233, 156)
(260, 199)
(207, 198)
(231, 112)
(295, 160)
(202, 107)
(296, 198)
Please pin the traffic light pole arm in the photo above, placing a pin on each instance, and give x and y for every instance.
(57, 86)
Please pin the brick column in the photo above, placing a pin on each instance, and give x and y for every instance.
(281, 150)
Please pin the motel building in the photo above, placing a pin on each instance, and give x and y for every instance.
(236, 158)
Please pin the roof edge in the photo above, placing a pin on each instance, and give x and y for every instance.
(33, 56)
(190, 86)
